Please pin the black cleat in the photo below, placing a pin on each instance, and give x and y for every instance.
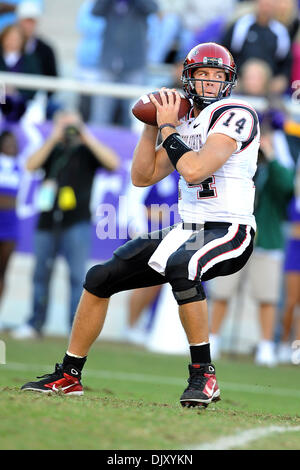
(62, 380)
(203, 387)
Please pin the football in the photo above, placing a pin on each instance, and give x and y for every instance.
(145, 111)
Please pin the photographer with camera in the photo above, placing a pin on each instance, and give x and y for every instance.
(69, 158)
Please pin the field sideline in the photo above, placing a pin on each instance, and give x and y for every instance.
(131, 403)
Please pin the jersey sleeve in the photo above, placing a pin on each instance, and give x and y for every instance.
(238, 122)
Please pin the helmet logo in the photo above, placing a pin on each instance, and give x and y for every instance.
(213, 61)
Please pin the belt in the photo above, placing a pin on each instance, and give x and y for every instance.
(208, 225)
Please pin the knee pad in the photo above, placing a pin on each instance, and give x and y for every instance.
(99, 278)
(186, 291)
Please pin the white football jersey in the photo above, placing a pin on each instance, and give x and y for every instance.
(228, 194)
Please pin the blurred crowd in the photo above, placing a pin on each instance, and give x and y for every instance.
(144, 42)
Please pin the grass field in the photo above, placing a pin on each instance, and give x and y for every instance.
(131, 403)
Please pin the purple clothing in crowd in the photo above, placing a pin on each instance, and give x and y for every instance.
(10, 174)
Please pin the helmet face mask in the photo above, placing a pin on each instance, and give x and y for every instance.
(208, 55)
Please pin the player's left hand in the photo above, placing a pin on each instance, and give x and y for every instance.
(167, 111)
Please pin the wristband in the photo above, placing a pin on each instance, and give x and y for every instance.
(175, 148)
(167, 125)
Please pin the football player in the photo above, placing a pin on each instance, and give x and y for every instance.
(214, 149)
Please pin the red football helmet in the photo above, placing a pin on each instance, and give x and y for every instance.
(208, 54)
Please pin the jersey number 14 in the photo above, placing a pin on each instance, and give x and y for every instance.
(240, 124)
